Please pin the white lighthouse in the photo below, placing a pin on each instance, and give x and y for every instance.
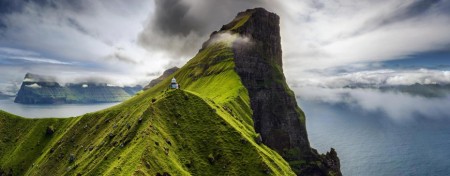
(174, 84)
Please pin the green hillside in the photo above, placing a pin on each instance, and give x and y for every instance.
(203, 129)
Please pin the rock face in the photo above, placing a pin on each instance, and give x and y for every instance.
(166, 74)
(276, 114)
(37, 89)
(205, 128)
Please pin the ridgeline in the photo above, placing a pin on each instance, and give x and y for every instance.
(234, 115)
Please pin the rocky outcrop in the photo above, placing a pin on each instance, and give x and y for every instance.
(37, 89)
(276, 114)
(166, 74)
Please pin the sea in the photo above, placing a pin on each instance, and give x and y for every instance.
(367, 143)
(372, 144)
(47, 111)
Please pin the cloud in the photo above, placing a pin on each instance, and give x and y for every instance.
(34, 86)
(375, 78)
(344, 32)
(109, 37)
(229, 38)
(95, 37)
(13, 54)
(179, 27)
(398, 106)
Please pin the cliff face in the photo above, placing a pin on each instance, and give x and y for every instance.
(276, 114)
(37, 89)
(232, 90)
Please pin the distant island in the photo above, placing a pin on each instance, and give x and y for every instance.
(233, 115)
(39, 89)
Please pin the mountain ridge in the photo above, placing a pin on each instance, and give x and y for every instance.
(38, 89)
(206, 128)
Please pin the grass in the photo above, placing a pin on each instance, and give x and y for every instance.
(203, 129)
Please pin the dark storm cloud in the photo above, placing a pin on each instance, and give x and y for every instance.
(180, 26)
(8, 7)
(171, 18)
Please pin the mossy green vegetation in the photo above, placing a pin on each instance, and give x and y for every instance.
(205, 128)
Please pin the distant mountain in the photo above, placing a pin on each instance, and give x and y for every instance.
(234, 115)
(166, 74)
(132, 90)
(38, 89)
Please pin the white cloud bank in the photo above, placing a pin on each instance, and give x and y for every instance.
(398, 106)
(134, 39)
(322, 34)
(376, 78)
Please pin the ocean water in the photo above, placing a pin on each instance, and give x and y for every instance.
(42, 111)
(372, 144)
(368, 143)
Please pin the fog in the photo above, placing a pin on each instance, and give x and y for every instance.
(398, 106)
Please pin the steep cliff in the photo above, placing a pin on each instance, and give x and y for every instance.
(276, 115)
(38, 89)
(212, 126)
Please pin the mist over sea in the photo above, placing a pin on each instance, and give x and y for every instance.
(374, 133)
(373, 139)
(45, 111)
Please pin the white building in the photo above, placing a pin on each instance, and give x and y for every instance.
(174, 84)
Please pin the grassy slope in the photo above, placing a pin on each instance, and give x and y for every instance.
(204, 129)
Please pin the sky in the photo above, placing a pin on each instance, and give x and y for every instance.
(325, 43)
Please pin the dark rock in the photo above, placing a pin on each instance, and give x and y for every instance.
(211, 159)
(276, 115)
(61, 155)
(166, 150)
(147, 164)
(258, 139)
(332, 161)
(163, 174)
(71, 158)
(243, 141)
(50, 130)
